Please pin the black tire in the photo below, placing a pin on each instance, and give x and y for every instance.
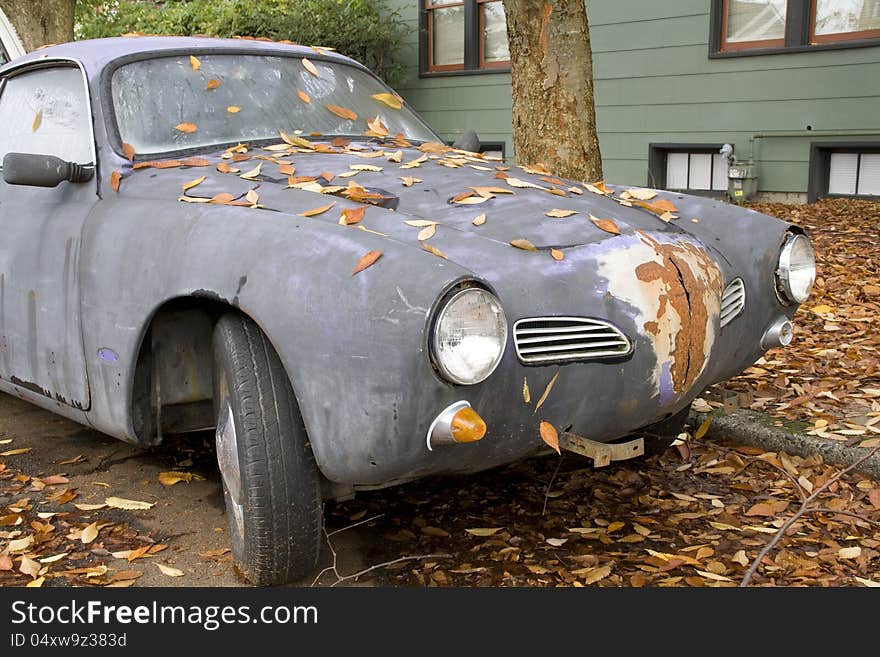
(660, 436)
(266, 462)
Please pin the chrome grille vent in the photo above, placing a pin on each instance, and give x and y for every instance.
(732, 301)
(554, 339)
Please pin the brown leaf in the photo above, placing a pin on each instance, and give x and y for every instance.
(128, 149)
(90, 533)
(194, 183)
(303, 96)
(561, 214)
(222, 198)
(608, 225)
(430, 248)
(342, 112)
(316, 211)
(556, 254)
(5, 562)
(115, 180)
(409, 181)
(761, 509)
(188, 128)
(874, 497)
(195, 63)
(377, 128)
(641, 194)
(367, 260)
(550, 436)
(546, 392)
(16, 452)
(392, 100)
(29, 567)
(174, 477)
(523, 244)
(212, 84)
(435, 531)
(353, 215)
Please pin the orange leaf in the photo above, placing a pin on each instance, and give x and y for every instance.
(353, 215)
(212, 84)
(608, 225)
(550, 436)
(115, 179)
(303, 96)
(326, 175)
(225, 168)
(195, 162)
(194, 183)
(310, 67)
(761, 509)
(560, 214)
(342, 112)
(233, 109)
(393, 101)
(367, 260)
(377, 128)
(188, 128)
(128, 149)
(434, 250)
(525, 245)
(316, 211)
(556, 254)
(195, 63)
(223, 198)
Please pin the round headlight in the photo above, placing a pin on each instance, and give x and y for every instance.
(469, 336)
(796, 272)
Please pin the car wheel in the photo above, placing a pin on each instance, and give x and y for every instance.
(270, 481)
(660, 436)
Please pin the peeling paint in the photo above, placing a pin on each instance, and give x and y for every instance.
(108, 355)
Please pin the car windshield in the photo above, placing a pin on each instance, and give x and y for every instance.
(192, 101)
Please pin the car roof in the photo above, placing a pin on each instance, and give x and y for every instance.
(95, 54)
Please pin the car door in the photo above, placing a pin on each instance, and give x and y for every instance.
(45, 110)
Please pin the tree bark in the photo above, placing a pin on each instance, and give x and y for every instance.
(554, 114)
(41, 22)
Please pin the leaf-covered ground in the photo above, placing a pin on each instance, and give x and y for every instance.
(829, 376)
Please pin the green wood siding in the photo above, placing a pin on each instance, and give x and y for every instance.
(655, 83)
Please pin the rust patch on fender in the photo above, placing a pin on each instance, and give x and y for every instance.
(692, 284)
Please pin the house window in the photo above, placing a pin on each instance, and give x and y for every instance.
(687, 167)
(463, 35)
(750, 27)
(844, 169)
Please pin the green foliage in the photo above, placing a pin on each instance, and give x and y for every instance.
(366, 30)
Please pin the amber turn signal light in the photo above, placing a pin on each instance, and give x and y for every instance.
(467, 426)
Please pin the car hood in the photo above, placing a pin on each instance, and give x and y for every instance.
(510, 203)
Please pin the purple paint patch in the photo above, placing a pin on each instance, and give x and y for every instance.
(667, 392)
(108, 355)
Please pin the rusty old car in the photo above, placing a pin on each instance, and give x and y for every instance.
(265, 240)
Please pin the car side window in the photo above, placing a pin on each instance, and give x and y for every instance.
(45, 111)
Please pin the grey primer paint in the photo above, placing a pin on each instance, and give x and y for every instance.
(113, 315)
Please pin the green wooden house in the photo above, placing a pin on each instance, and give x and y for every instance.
(792, 85)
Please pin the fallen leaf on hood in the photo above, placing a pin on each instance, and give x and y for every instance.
(253, 173)
(561, 214)
(527, 395)
(303, 96)
(194, 183)
(38, 121)
(430, 248)
(525, 245)
(364, 167)
(608, 225)
(310, 67)
(168, 570)
(377, 128)
(129, 505)
(15, 452)
(489, 192)
(419, 223)
(641, 194)
(550, 436)
(188, 128)
(576, 190)
(483, 531)
(195, 162)
(115, 180)
(195, 63)
(90, 533)
(252, 197)
(393, 101)
(597, 187)
(469, 199)
(212, 84)
(367, 260)
(396, 156)
(556, 254)
(342, 112)
(409, 181)
(233, 109)
(128, 149)
(427, 233)
(546, 391)
(222, 167)
(352, 215)
(516, 182)
(479, 220)
(316, 211)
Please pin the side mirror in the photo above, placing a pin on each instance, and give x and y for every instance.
(42, 170)
(468, 141)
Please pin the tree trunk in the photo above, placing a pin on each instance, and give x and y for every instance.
(554, 115)
(40, 22)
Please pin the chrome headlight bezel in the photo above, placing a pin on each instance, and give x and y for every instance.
(788, 292)
(441, 313)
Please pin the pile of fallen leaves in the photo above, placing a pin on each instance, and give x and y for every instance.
(830, 374)
(648, 522)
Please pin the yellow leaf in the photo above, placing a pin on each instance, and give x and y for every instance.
(596, 574)
(393, 101)
(53, 559)
(194, 183)
(702, 429)
(233, 109)
(516, 182)
(409, 181)
(37, 583)
(471, 200)
(89, 507)
(38, 121)
(253, 173)
(740, 558)
(550, 436)
(483, 531)
(171, 478)
(396, 157)
(168, 570)
(527, 396)
(561, 214)
(479, 220)
(212, 84)
(427, 232)
(90, 533)
(316, 211)
(16, 452)
(614, 527)
(310, 67)
(642, 194)
(717, 578)
(556, 254)
(195, 63)
(525, 245)
(364, 167)
(20, 544)
(822, 309)
(546, 391)
(129, 505)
